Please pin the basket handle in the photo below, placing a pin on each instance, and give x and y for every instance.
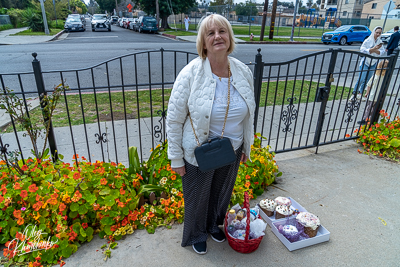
(246, 205)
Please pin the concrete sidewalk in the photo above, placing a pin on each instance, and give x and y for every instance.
(7, 37)
(347, 190)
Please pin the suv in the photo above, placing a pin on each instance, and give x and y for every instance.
(346, 34)
(146, 23)
(101, 21)
(114, 19)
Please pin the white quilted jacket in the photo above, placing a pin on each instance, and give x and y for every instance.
(193, 91)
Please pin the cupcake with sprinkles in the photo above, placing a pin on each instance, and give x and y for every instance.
(282, 211)
(268, 206)
(283, 201)
(310, 222)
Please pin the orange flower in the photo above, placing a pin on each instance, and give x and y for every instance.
(122, 191)
(77, 175)
(52, 201)
(103, 181)
(37, 197)
(169, 167)
(173, 177)
(20, 221)
(33, 188)
(247, 177)
(1, 199)
(38, 205)
(17, 213)
(29, 161)
(347, 135)
(113, 164)
(76, 156)
(247, 184)
(377, 141)
(83, 158)
(77, 196)
(17, 186)
(24, 194)
(62, 207)
(24, 168)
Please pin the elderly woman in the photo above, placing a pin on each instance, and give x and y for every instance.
(372, 46)
(202, 89)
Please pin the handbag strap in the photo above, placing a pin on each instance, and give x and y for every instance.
(227, 108)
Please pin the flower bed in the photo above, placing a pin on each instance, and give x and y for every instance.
(381, 139)
(50, 209)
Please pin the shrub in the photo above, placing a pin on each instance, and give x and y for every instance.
(16, 17)
(33, 19)
(6, 27)
(381, 139)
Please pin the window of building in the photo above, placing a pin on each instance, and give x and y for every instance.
(346, 2)
(344, 13)
(358, 13)
(374, 5)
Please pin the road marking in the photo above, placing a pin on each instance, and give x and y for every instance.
(93, 37)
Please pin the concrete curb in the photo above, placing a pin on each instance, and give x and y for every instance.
(169, 35)
(55, 37)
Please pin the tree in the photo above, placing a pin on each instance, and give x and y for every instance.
(109, 5)
(61, 9)
(78, 4)
(309, 3)
(19, 4)
(177, 6)
(247, 9)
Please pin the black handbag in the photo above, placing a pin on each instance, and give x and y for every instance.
(217, 152)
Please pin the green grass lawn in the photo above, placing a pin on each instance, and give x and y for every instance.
(180, 33)
(88, 103)
(280, 39)
(30, 32)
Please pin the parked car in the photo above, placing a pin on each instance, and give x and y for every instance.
(128, 22)
(132, 24)
(74, 24)
(121, 23)
(346, 34)
(100, 21)
(386, 36)
(114, 19)
(146, 23)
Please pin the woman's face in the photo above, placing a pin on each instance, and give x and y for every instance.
(216, 40)
(377, 33)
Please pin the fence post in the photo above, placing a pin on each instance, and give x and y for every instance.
(258, 75)
(37, 70)
(323, 95)
(385, 85)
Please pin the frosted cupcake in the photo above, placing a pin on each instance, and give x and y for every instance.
(310, 223)
(282, 211)
(283, 201)
(268, 206)
(290, 232)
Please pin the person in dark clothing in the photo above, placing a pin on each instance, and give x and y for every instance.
(393, 41)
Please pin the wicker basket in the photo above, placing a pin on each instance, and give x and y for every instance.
(246, 245)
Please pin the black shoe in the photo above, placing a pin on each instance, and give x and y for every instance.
(362, 122)
(219, 237)
(200, 248)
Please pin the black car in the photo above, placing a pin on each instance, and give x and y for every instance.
(74, 24)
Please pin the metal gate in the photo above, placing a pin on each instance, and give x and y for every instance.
(307, 102)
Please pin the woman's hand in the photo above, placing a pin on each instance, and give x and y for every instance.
(181, 170)
(243, 158)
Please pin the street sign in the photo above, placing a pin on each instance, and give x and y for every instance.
(129, 6)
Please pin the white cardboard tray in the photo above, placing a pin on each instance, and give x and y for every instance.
(272, 219)
(322, 236)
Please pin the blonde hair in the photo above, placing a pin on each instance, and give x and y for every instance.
(382, 67)
(205, 24)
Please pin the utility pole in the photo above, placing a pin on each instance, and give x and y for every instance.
(46, 27)
(116, 8)
(69, 8)
(273, 15)
(387, 12)
(55, 13)
(157, 14)
(264, 20)
(294, 20)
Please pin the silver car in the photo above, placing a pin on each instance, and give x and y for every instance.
(386, 36)
(100, 22)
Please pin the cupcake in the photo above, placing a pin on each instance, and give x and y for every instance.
(290, 232)
(310, 222)
(268, 206)
(283, 201)
(282, 211)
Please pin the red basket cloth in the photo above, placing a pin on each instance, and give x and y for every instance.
(246, 245)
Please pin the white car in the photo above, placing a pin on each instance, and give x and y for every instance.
(386, 36)
(132, 24)
(100, 22)
(121, 22)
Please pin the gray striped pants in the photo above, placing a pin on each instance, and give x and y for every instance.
(207, 196)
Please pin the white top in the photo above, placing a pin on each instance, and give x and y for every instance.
(237, 112)
(187, 20)
(375, 82)
(366, 46)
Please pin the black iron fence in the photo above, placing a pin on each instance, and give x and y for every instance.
(122, 102)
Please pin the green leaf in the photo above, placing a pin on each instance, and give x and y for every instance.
(105, 191)
(83, 186)
(66, 252)
(114, 193)
(134, 163)
(90, 199)
(72, 214)
(109, 201)
(107, 230)
(89, 231)
(395, 142)
(3, 224)
(102, 234)
(82, 232)
(107, 221)
(74, 206)
(125, 210)
(82, 209)
(42, 227)
(13, 231)
(103, 246)
(113, 245)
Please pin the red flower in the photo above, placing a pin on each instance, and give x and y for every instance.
(76, 156)
(17, 186)
(83, 158)
(24, 168)
(377, 141)
(103, 181)
(33, 188)
(62, 207)
(122, 191)
(77, 175)
(84, 225)
(24, 194)
(347, 135)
